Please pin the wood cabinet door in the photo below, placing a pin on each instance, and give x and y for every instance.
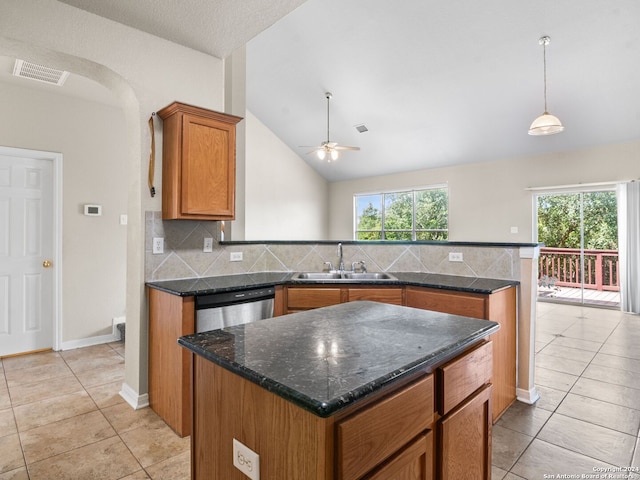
(306, 298)
(464, 440)
(456, 303)
(208, 167)
(415, 462)
(392, 295)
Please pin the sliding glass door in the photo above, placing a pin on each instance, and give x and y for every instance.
(579, 262)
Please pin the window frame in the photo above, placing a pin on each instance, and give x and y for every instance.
(383, 230)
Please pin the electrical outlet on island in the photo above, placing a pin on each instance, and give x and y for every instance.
(246, 460)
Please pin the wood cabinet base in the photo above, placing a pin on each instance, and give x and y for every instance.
(391, 435)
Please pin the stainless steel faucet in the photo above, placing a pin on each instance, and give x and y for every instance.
(363, 266)
(340, 259)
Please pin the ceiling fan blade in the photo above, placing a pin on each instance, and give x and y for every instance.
(313, 151)
(341, 147)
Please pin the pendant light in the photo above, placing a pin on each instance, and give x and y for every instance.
(545, 124)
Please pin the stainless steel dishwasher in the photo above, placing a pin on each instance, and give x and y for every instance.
(219, 310)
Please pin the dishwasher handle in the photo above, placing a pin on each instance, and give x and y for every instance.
(232, 298)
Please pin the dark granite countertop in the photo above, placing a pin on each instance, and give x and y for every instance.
(328, 358)
(226, 283)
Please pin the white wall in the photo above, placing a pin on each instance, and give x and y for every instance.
(285, 199)
(91, 138)
(146, 73)
(487, 199)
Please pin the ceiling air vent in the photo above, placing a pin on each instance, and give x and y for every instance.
(361, 128)
(40, 73)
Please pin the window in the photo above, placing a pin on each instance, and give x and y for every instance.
(405, 215)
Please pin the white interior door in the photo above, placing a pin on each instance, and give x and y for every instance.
(27, 263)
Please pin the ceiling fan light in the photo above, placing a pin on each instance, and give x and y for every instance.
(546, 124)
(334, 155)
(321, 154)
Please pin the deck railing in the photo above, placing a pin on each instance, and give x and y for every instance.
(562, 267)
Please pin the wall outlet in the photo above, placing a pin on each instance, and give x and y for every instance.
(514, 229)
(455, 257)
(208, 245)
(246, 460)
(235, 257)
(123, 219)
(158, 245)
(117, 321)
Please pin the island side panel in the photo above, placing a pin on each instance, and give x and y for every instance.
(501, 308)
(170, 317)
(291, 442)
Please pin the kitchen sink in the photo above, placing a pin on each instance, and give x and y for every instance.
(317, 276)
(369, 276)
(343, 277)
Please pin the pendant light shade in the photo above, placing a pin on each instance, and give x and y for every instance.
(545, 124)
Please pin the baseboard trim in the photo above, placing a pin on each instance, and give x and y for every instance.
(527, 396)
(132, 398)
(87, 342)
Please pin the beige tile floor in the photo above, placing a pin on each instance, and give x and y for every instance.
(588, 416)
(61, 417)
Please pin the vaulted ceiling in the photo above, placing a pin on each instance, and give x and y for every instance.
(442, 83)
(436, 83)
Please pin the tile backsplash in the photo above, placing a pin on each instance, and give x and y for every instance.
(183, 256)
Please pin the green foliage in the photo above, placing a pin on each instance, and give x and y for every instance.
(432, 210)
(559, 220)
(398, 212)
(370, 224)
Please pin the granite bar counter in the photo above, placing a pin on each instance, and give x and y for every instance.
(343, 392)
(173, 304)
(226, 283)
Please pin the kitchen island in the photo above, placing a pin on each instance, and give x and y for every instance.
(356, 390)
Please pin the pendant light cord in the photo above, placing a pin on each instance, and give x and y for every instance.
(328, 95)
(544, 62)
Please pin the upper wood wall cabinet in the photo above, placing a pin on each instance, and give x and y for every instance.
(198, 163)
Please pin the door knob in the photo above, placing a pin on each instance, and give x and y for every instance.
(47, 263)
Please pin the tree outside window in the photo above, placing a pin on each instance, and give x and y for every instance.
(405, 215)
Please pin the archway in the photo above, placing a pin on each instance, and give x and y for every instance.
(135, 356)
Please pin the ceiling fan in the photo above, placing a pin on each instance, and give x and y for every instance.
(329, 148)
